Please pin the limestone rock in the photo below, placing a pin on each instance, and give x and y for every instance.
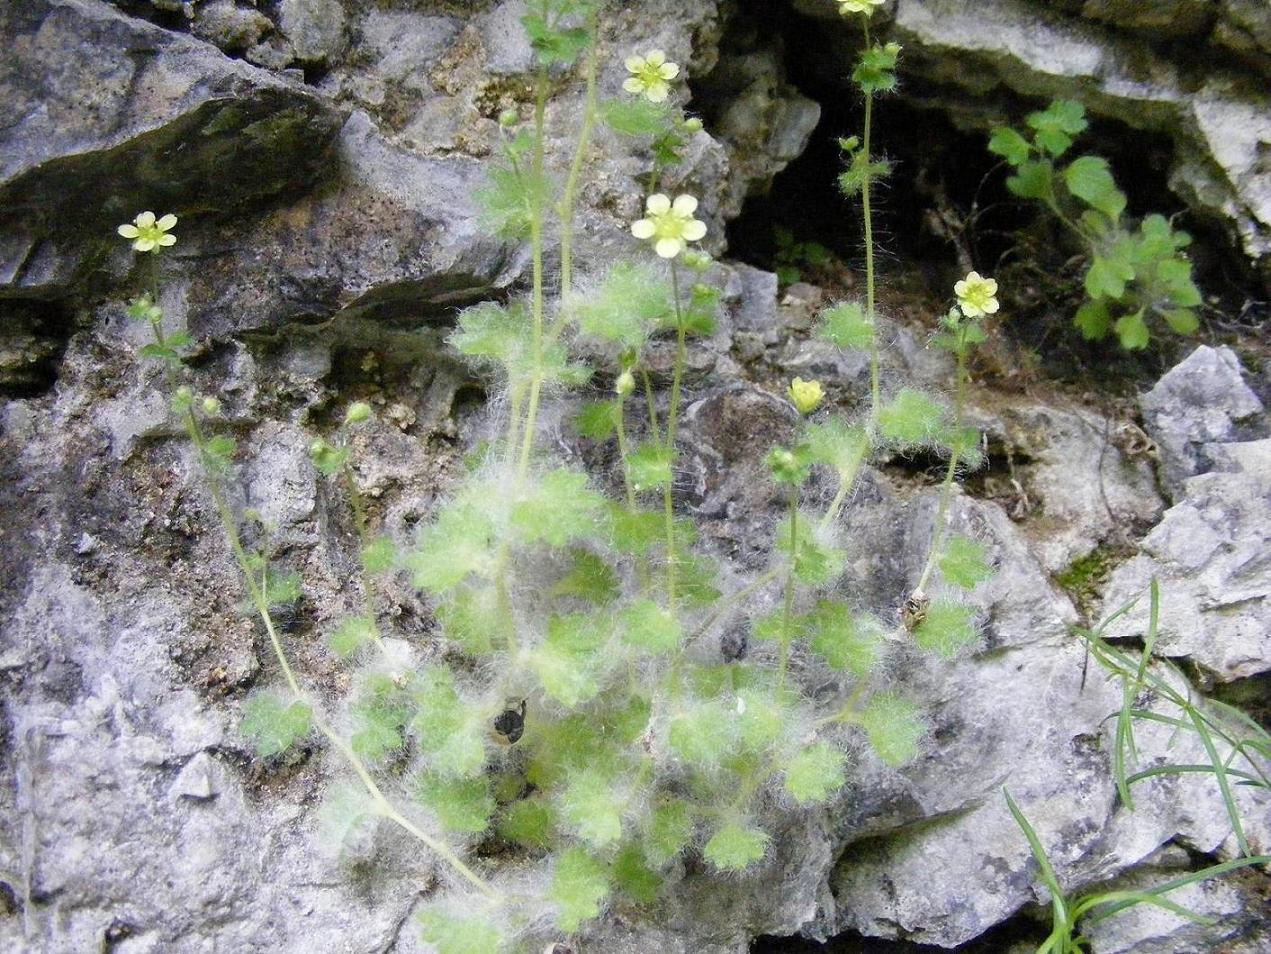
(316, 28)
(1203, 400)
(175, 126)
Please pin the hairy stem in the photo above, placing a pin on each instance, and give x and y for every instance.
(672, 422)
(537, 295)
(570, 196)
(260, 602)
(787, 609)
(875, 385)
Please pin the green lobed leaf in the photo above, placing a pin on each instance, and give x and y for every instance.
(529, 822)
(1132, 331)
(635, 532)
(815, 773)
(893, 726)
(589, 578)
(875, 73)
(1010, 145)
(592, 808)
(1181, 320)
(761, 718)
(274, 725)
(848, 642)
(462, 805)
(964, 562)
(496, 334)
(846, 325)
(636, 116)
(1107, 277)
(459, 543)
(837, 444)
(1093, 320)
(911, 417)
(632, 301)
(455, 934)
(597, 420)
(634, 878)
(947, 629)
(566, 662)
(470, 616)
(704, 734)
(1090, 179)
(1056, 126)
(1033, 179)
(579, 885)
(507, 199)
(379, 714)
(351, 634)
(816, 561)
(446, 729)
(649, 467)
(735, 847)
(651, 627)
(670, 829)
(558, 509)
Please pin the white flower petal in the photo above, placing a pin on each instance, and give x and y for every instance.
(167, 222)
(668, 247)
(655, 57)
(635, 64)
(972, 277)
(643, 229)
(668, 71)
(145, 220)
(143, 244)
(685, 205)
(167, 240)
(657, 92)
(694, 231)
(990, 286)
(633, 84)
(658, 204)
(991, 306)
(960, 289)
(128, 231)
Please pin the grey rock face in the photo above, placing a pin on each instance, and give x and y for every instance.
(315, 28)
(140, 117)
(1211, 553)
(1204, 400)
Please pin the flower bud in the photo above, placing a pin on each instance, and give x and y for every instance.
(509, 118)
(806, 395)
(359, 412)
(182, 399)
(625, 384)
(697, 261)
(693, 124)
(211, 406)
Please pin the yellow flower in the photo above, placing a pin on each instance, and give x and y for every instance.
(976, 295)
(650, 74)
(858, 6)
(149, 235)
(806, 395)
(669, 224)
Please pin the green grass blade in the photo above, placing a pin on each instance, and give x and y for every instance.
(1043, 863)
(1220, 775)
